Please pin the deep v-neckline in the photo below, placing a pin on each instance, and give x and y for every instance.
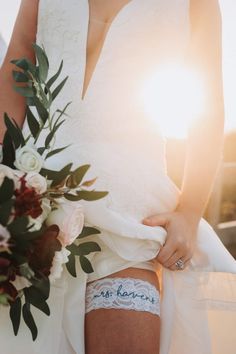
(112, 24)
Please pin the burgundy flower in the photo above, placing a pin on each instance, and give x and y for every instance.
(42, 254)
(4, 264)
(9, 289)
(27, 201)
(7, 269)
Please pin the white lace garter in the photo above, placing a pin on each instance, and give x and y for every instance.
(122, 293)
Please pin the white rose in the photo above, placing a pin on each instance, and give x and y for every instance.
(38, 222)
(1, 153)
(69, 217)
(4, 237)
(5, 171)
(60, 258)
(21, 283)
(36, 181)
(28, 159)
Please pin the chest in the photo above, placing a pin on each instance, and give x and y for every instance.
(101, 15)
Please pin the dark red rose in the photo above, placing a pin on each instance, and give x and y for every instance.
(7, 269)
(9, 289)
(4, 263)
(4, 266)
(27, 201)
(42, 254)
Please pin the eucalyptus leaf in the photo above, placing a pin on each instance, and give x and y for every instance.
(24, 91)
(18, 76)
(84, 248)
(76, 176)
(43, 285)
(5, 211)
(58, 89)
(49, 174)
(42, 111)
(88, 231)
(18, 226)
(6, 190)
(54, 77)
(14, 131)
(29, 320)
(91, 195)
(26, 65)
(43, 97)
(62, 113)
(32, 123)
(31, 235)
(41, 150)
(8, 151)
(61, 175)
(30, 101)
(21, 63)
(86, 265)
(51, 134)
(56, 151)
(35, 298)
(88, 247)
(42, 62)
(71, 197)
(15, 314)
(73, 248)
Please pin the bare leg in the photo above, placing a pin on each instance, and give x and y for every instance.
(119, 331)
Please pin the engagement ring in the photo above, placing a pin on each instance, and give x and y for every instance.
(179, 264)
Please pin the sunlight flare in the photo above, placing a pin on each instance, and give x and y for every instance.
(174, 97)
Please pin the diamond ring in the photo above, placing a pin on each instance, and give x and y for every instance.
(179, 264)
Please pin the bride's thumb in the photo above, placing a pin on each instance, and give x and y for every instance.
(156, 220)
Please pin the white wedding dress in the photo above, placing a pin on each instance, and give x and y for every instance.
(110, 130)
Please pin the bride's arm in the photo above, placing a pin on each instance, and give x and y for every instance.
(24, 34)
(205, 139)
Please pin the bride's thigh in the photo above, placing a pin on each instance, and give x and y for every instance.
(120, 331)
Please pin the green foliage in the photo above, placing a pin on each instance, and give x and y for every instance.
(5, 211)
(81, 250)
(85, 195)
(88, 231)
(6, 190)
(18, 226)
(8, 151)
(14, 132)
(76, 176)
(40, 91)
(42, 62)
(15, 314)
(29, 320)
(33, 124)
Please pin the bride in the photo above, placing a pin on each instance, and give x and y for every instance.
(163, 283)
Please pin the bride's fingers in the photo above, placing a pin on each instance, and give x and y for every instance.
(165, 253)
(174, 258)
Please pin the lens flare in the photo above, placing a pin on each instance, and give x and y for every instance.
(174, 96)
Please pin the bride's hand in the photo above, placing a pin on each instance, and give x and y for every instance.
(181, 237)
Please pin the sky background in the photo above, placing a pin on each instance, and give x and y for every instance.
(228, 7)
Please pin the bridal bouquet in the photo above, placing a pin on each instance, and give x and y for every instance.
(41, 220)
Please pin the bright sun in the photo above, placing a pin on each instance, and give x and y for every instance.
(174, 96)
